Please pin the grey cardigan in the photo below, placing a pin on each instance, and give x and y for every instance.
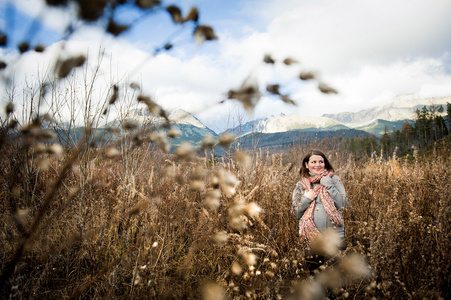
(336, 190)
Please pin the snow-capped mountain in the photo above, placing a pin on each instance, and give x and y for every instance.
(401, 108)
(283, 123)
(191, 128)
(369, 121)
(177, 116)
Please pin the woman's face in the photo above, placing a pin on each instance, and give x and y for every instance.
(316, 164)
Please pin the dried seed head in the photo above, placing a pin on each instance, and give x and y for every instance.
(91, 10)
(47, 117)
(135, 86)
(13, 124)
(22, 214)
(236, 217)
(238, 222)
(67, 65)
(130, 125)
(39, 148)
(270, 274)
(306, 75)
(228, 182)
(9, 108)
(115, 28)
(176, 13)
(286, 99)
(249, 257)
(199, 174)
(3, 39)
(174, 132)
(204, 33)
(208, 142)
(327, 244)
(236, 268)
(43, 163)
(252, 209)
(39, 48)
(56, 149)
(23, 47)
(31, 130)
(331, 278)
(197, 185)
(115, 94)
(243, 159)
(160, 138)
(355, 266)
(151, 105)
(221, 237)
(273, 89)
(248, 94)
(56, 2)
(212, 291)
(185, 151)
(325, 89)
(112, 152)
(212, 199)
(146, 4)
(310, 290)
(46, 134)
(268, 59)
(289, 61)
(215, 182)
(112, 130)
(225, 139)
(193, 15)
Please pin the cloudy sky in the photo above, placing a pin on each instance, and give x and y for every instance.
(369, 51)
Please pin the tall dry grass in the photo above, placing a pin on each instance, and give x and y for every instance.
(146, 225)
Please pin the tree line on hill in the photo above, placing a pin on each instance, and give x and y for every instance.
(430, 126)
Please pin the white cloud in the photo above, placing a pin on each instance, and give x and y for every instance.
(370, 51)
(55, 18)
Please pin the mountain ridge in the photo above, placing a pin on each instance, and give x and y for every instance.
(401, 108)
(369, 121)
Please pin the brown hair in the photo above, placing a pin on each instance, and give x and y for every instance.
(305, 172)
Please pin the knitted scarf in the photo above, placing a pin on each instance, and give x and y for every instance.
(308, 230)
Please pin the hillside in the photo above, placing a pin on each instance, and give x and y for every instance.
(295, 137)
(377, 127)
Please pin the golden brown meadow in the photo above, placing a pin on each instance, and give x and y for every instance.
(144, 224)
(133, 222)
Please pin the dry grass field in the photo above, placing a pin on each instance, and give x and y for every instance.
(134, 222)
(144, 224)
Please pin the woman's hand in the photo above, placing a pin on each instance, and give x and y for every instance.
(310, 194)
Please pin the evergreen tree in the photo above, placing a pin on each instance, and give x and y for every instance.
(407, 131)
(448, 116)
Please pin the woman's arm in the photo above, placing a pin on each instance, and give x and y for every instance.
(336, 190)
(299, 201)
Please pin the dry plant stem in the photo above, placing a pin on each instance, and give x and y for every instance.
(33, 231)
(82, 288)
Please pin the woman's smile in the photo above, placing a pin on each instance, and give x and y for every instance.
(316, 164)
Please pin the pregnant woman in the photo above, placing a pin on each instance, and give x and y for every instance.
(319, 198)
